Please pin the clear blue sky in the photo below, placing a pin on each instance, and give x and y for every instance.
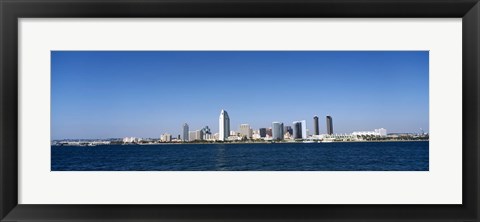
(105, 94)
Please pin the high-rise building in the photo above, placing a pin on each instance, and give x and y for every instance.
(245, 131)
(316, 129)
(300, 129)
(224, 125)
(297, 130)
(196, 135)
(191, 136)
(166, 137)
(206, 130)
(329, 125)
(288, 129)
(304, 129)
(277, 131)
(206, 133)
(185, 132)
(262, 132)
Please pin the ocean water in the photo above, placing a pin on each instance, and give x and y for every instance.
(349, 156)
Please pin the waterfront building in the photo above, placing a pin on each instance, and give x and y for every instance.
(262, 132)
(381, 132)
(166, 137)
(316, 129)
(277, 131)
(339, 137)
(269, 132)
(206, 130)
(245, 131)
(304, 129)
(209, 137)
(196, 135)
(207, 134)
(129, 139)
(300, 129)
(191, 135)
(297, 130)
(329, 125)
(224, 125)
(288, 129)
(185, 132)
(377, 132)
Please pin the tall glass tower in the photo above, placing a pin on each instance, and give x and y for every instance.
(304, 129)
(224, 126)
(185, 132)
(329, 125)
(315, 126)
(277, 131)
(297, 130)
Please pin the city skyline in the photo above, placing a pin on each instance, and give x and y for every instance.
(95, 94)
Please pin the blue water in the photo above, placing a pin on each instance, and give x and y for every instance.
(352, 156)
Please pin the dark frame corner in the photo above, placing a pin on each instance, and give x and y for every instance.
(11, 10)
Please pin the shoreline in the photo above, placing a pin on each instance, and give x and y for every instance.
(282, 142)
(247, 142)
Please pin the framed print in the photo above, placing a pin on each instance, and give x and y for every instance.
(207, 110)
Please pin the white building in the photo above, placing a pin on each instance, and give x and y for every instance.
(166, 137)
(304, 129)
(224, 125)
(381, 132)
(338, 137)
(377, 132)
(131, 140)
(210, 137)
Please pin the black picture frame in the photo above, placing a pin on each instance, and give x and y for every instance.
(12, 10)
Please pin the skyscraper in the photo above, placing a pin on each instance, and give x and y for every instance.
(304, 129)
(185, 132)
(300, 129)
(196, 135)
(262, 132)
(245, 131)
(329, 125)
(277, 131)
(224, 126)
(316, 130)
(297, 130)
(206, 132)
